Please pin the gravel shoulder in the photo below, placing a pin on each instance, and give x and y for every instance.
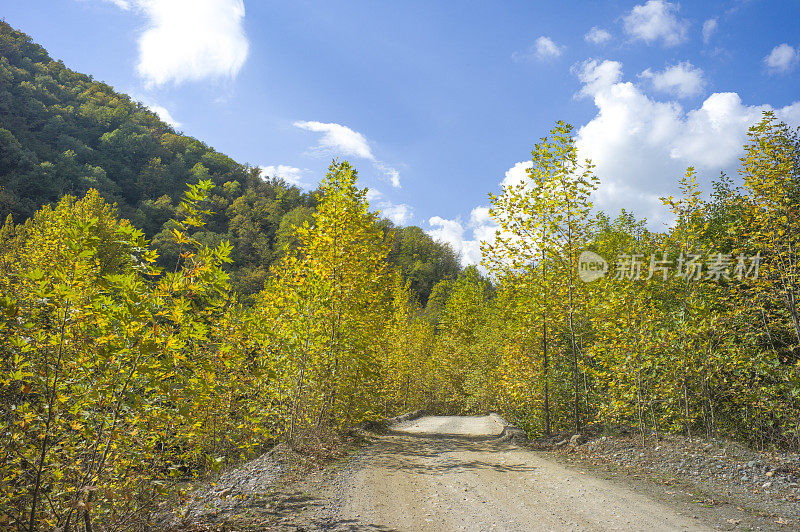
(730, 485)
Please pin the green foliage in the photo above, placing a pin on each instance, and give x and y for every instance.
(324, 307)
(257, 313)
(422, 261)
(697, 353)
(464, 362)
(62, 132)
(117, 382)
(543, 224)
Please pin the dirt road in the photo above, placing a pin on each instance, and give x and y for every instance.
(452, 473)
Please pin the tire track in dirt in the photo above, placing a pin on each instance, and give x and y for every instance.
(452, 473)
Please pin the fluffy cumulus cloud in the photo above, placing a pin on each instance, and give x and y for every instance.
(187, 40)
(683, 80)
(709, 29)
(398, 213)
(543, 49)
(290, 174)
(656, 21)
(546, 48)
(782, 58)
(465, 238)
(339, 139)
(597, 36)
(164, 115)
(641, 146)
(451, 232)
(594, 76)
(516, 174)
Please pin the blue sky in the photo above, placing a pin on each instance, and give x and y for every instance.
(438, 103)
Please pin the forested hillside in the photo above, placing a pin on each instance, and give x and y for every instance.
(62, 132)
(198, 324)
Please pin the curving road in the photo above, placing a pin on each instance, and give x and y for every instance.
(452, 473)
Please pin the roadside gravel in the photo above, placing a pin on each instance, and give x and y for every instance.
(716, 473)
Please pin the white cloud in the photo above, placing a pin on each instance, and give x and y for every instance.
(546, 48)
(164, 115)
(596, 76)
(391, 174)
(682, 80)
(516, 174)
(290, 174)
(373, 194)
(454, 232)
(398, 213)
(542, 49)
(482, 225)
(597, 36)
(341, 139)
(712, 136)
(159, 110)
(449, 231)
(641, 146)
(656, 20)
(782, 58)
(709, 28)
(189, 40)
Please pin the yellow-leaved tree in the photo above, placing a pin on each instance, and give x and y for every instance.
(326, 304)
(543, 223)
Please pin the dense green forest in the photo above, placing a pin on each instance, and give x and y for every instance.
(62, 132)
(191, 326)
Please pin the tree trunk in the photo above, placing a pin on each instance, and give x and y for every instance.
(575, 376)
(546, 379)
(546, 361)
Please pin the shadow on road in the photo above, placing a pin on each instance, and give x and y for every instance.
(300, 506)
(281, 510)
(434, 454)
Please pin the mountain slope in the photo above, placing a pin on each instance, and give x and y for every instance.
(62, 132)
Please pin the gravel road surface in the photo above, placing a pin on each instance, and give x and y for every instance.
(452, 473)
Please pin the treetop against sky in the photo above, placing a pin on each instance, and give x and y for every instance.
(439, 106)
